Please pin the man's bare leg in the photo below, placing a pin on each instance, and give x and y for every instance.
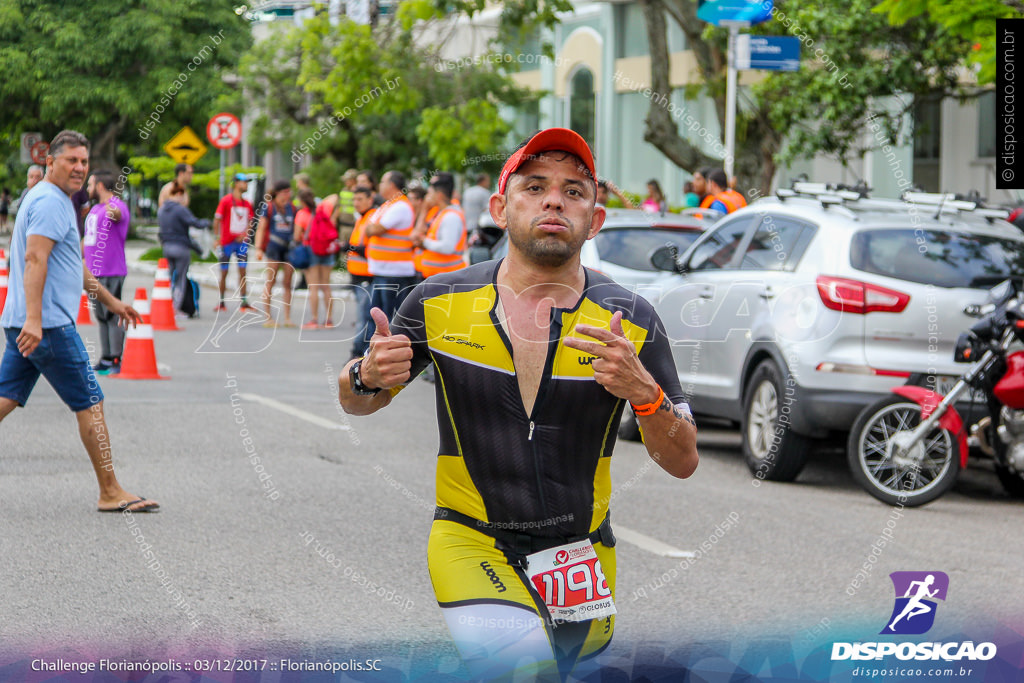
(6, 406)
(92, 427)
(222, 284)
(241, 281)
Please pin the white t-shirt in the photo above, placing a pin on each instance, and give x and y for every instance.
(396, 216)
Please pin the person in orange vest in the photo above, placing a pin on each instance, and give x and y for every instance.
(358, 267)
(389, 249)
(720, 197)
(444, 240)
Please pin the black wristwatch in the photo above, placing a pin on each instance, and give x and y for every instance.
(358, 388)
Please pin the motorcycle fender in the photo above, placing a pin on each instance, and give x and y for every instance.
(929, 401)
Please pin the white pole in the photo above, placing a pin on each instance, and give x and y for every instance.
(730, 103)
(222, 187)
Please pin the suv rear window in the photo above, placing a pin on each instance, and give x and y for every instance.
(937, 257)
(632, 247)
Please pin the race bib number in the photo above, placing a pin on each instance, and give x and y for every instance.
(239, 220)
(571, 582)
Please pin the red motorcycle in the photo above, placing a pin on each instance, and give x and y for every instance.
(908, 448)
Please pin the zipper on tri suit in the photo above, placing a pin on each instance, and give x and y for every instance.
(530, 437)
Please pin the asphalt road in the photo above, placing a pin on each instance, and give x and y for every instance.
(288, 555)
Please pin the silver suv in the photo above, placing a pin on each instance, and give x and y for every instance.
(791, 315)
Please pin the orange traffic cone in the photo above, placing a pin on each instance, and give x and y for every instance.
(3, 280)
(163, 303)
(139, 358)
(83, 310)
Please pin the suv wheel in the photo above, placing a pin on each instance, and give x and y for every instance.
(770, 446)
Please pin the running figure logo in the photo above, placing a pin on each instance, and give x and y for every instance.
(916, 595)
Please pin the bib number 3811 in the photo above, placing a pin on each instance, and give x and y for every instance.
(571, 582)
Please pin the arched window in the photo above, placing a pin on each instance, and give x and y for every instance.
(583, 104)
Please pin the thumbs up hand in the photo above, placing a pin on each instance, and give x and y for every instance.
(388, 362)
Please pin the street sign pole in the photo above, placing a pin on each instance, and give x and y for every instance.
(730, 101)
(223, 191)
(731, 87)
(733, 15)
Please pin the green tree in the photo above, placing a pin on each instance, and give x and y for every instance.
(786, 114)
(108, 68)
(972, 20)
(372, 97)
(852, 61)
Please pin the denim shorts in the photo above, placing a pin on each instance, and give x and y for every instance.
(239, 249)
(276, 253)
(60, 358)
(325, 260)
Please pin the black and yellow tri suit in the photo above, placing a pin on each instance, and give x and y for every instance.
(511, 483)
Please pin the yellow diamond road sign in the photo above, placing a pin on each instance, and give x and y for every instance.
(185, 147)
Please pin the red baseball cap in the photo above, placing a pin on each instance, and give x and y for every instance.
(549, 140)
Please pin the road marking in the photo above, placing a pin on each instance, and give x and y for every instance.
(651, 545)
(294, 412)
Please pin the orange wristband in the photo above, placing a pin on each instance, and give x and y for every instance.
(649, 408)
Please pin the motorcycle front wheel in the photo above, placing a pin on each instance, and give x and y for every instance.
(921, 474)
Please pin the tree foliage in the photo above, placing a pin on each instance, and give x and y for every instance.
(104, 68)
(852, 60)
(373, 97)
(863, 60)
(971, 20)
(786, 115)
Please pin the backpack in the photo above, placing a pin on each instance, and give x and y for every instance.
(190, 301)
(323, 234)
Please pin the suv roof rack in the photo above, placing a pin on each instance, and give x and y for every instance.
(955, 203)
(829, 195)
(838, 194)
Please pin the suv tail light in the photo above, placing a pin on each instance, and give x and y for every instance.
(853, 296)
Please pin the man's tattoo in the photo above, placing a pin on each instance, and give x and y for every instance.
(667, 406)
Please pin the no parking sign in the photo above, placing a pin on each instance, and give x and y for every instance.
(224, 131)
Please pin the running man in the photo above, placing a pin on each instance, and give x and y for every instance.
(536, 358)
(914, 606)
(46, 280)
(234, 220)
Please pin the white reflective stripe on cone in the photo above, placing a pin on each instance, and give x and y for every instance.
(3, 280)
(161, 292)
(163, 274)
(143, 331)
(142, 306)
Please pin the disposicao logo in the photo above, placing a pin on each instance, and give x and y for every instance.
(916, 595)
(913, 613)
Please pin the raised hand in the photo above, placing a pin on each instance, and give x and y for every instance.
(616, 366)
(388, 362)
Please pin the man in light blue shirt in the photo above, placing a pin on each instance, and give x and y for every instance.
(47, 276)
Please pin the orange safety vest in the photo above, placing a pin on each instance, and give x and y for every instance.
(418, 256)
(708, 200)
(394, 245)
(433, 262)
(732, 199)
(356, 263)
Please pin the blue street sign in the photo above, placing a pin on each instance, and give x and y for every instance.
(749, 11)
(771, 53)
